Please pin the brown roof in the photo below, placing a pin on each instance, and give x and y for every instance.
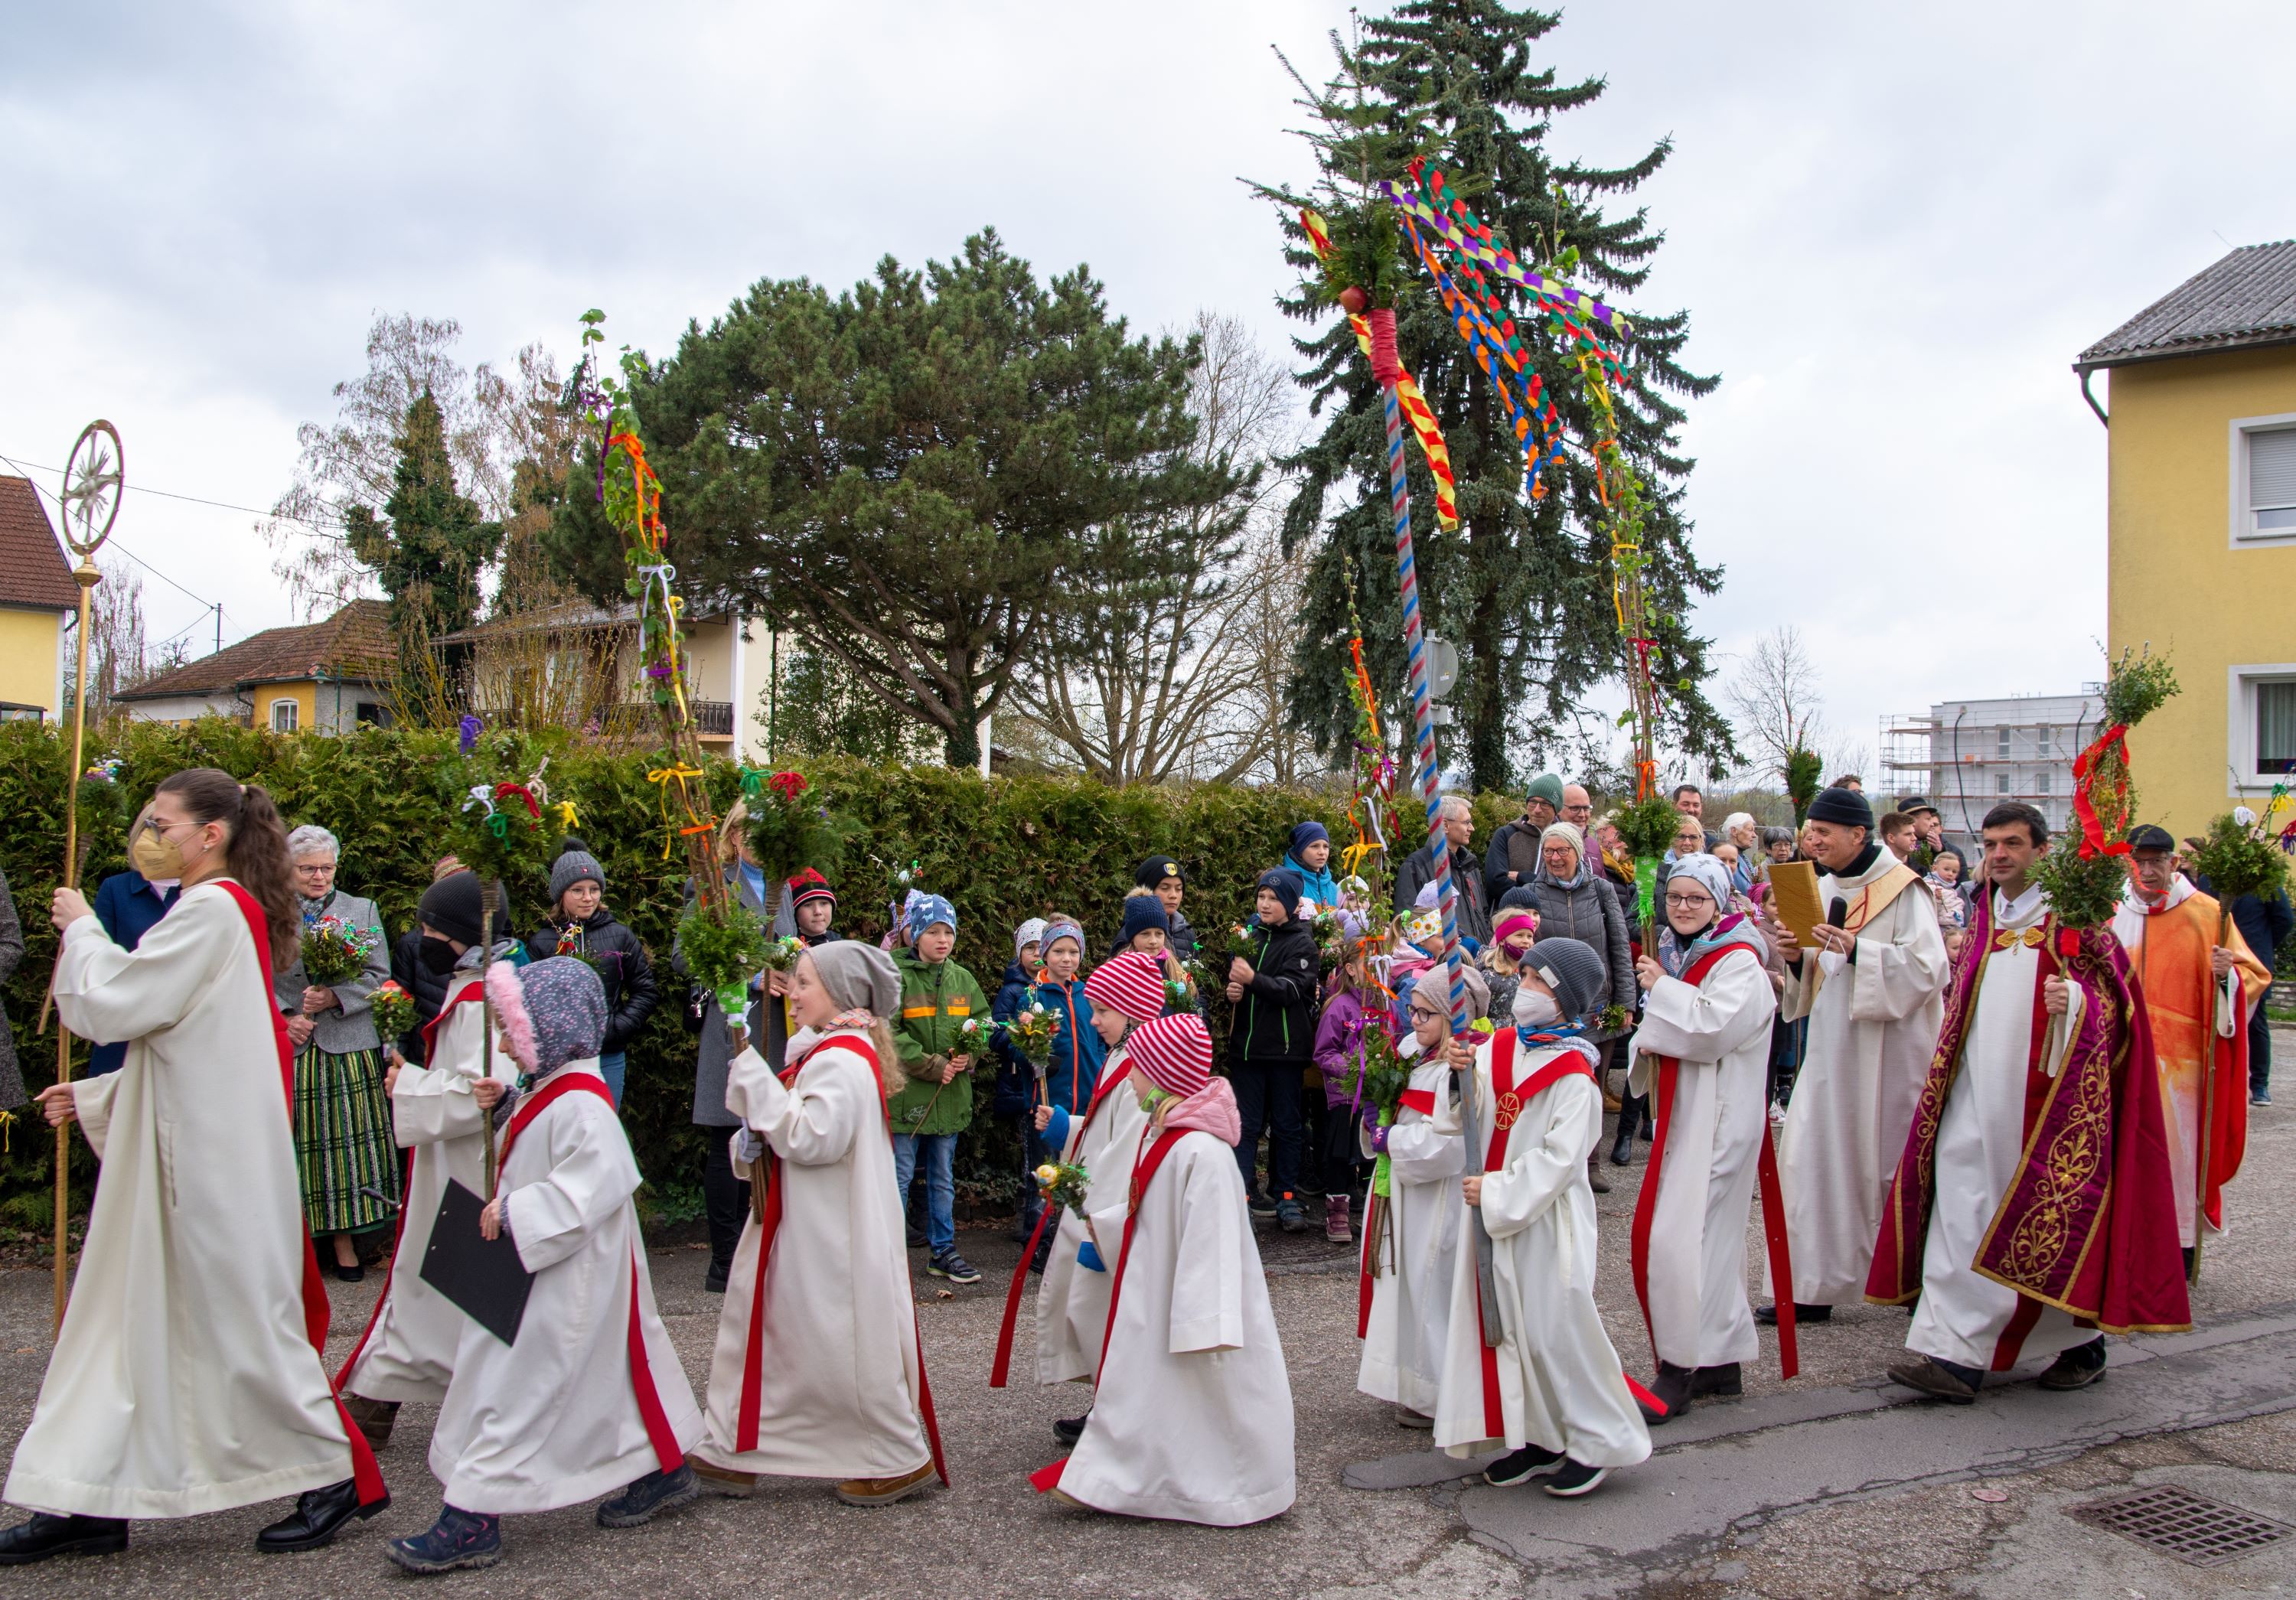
(33, 572)
(354, 642)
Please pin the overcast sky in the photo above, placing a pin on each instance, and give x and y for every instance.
(1893, 229)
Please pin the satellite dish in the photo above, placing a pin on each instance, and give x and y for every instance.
(93, 475)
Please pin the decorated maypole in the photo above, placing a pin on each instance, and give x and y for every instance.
(93, 474)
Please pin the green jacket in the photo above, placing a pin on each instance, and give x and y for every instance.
(935, 1003)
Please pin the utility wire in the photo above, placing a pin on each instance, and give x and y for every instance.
(110, 544)
(325, 529)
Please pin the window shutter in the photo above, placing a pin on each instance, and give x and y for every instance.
(2272, 470)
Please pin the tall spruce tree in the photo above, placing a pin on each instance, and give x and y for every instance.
(1523, 586)
(430, 543)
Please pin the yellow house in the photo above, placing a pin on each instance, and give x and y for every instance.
(39, 603)
(329, 677)
(2201, 527)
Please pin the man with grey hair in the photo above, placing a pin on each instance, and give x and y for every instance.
(1418, 871)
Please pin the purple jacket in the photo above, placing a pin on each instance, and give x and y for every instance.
(1339, 1043)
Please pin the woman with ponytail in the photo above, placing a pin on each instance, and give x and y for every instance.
(196, 1276)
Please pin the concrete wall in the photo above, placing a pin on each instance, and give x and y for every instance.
(31, 643)
(2175, 578)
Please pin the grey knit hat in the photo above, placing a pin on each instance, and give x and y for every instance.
(1579, 978)
(574, 864)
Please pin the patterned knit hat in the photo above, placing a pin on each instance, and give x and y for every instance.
(574, 864)
(552, 1012)
(1030, 932)
(809, 885)
(1056, 931)
(925, 910)
(1174, 1053)
(1131, 983)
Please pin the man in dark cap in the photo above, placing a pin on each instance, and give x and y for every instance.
(1873, 989)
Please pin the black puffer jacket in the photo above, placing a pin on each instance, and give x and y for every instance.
(428, 989)
(613, 950)
(1275, 1019)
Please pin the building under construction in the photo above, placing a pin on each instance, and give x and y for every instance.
(1967, 756)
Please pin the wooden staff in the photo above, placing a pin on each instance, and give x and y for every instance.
(2209, 985)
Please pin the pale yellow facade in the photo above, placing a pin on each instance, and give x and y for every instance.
(31, 658)
(268, 699)
(2181, 579)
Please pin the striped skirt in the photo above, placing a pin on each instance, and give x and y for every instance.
(343, 1140)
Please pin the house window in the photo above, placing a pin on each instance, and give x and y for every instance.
(2260, 726)
(282, 716)
(2041, 783)
(2271, 484)
(2002, 783)
(373, 714)
(2004, 744)
(2275, 727)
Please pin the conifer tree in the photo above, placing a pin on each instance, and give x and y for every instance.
(430, 543)
(1523, 586)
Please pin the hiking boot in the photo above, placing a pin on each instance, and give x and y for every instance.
(1673, 1389)
(723, 1479)
(1574, 1478)
(1289, 1217)
(47, 1534)
(647, 1498)
(1594, 1178)
(1723, 1380)
(458, 1538)
(2078, 1367)
(952, 1267)
(1521, 1466)
(1939, 1380)
(1068, 1430)
(1335, 1219)
(373, 1417)
(1260, 1206)
(917, 1240)
(884, 1491)
(319, 1516)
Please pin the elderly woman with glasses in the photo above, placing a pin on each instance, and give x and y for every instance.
(344, 1150)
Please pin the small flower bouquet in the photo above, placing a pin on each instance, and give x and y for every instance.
(394, 1010)
(334, 952)
(1063, 1184)
(973, 1034)
(1030, 1033)
(781, 954)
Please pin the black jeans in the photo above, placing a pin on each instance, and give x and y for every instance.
(725, 1201)
(1268, 1100)
(2260, 1045)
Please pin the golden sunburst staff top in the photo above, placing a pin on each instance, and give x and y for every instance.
(92, 475)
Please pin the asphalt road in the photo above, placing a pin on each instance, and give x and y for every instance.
(1835, 1484)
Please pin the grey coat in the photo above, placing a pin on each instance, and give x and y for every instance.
(1585, 909)
(716, 1049)
(350, 1026)
(11, 952)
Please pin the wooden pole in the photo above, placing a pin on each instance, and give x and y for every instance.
(87, 576)
(2208, 1094)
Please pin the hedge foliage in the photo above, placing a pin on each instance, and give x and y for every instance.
(1002, 851)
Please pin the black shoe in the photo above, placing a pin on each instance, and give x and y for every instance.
(1768, 1315)
(319, 1515)
(1260, 1206)
(715, 1282)
(917, 1240)
(1521, 1466)
(1574, 1478)
(647, 1498)
(1939, 1380)
(1068, 1430)
(1622, 1152)
(2078, 1367)
(458, 1538)
(1290, 1217)
(352, 1274)
(1673, 1388)
(952, 1267)
(47, 1535)
(1725, 1380)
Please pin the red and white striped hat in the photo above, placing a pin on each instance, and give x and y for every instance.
(1132, 983)
(1175, 1053)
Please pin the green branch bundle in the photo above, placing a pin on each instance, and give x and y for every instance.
(2083, 881)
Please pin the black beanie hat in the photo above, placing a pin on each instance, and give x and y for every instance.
(1156, 869)
(455, 906)
(1844, 808)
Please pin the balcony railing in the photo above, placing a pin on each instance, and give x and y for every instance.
(712, 719)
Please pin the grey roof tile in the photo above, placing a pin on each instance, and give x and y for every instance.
(2249, 298)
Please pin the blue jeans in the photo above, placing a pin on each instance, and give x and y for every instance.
(613, 1069)
(940, 1153)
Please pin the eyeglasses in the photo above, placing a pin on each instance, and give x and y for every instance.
(1687, 902)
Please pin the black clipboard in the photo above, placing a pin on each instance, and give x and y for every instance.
(482, 1277)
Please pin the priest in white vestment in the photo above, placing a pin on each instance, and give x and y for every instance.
(187, 1377)
(589, 1397)
(1873, 990)
(818, 1370)
(1702, 1052)
(1191, 1415)
(1411, 1236)
(1551, 1392)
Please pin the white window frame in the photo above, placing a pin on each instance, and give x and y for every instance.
(2240, 721)
(294, 715)
(2242, 537)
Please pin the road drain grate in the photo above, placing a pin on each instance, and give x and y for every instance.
(2191, 1527)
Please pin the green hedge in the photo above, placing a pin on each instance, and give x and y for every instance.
(1002, 851)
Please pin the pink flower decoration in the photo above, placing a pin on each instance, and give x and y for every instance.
(509, 999)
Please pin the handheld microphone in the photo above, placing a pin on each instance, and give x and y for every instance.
(1837, 914)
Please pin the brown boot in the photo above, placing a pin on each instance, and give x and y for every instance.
(884, 1491)
(1594, 1178)
(373, 1417)
(723, 1479)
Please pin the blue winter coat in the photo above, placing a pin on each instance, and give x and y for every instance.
(1078, 1051)
(1320, 887)
(129, 907)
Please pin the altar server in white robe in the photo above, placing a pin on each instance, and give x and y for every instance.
(590, 1397)
(1702, 1053)
(818, 1372)
(1072, 1295)
(1873, 990)
(1551, 1392)
(1192, 1419)
(407, 1351)
(1412, 1235)
(187, 1377)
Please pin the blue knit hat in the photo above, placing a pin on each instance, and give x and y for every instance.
(1288, 886)
(1306, 834)
(1142, 912)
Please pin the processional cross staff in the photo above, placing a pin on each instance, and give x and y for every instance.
(93, 475)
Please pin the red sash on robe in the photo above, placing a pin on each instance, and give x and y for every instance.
(753, 1355)
(667, 1451)
(317, 1311)
(1001, 1369)
(1049, 1477)
(1774, 1209)
(473, 990)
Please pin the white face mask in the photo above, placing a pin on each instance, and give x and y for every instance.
(1533, 1006)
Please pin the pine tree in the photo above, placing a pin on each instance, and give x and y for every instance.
(428, 547)
(1523, 586)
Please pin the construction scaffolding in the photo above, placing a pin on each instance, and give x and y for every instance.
(1967, 756)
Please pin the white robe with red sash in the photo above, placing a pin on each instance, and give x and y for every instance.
(1713, 1025)
(1554, 1381)
(1071, 1298)
(817, 1372)
(1964, 1317)
(187, 1376)
(591, 1397)
(1405, 1321)
(408, 1352)
(1192, 1417)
